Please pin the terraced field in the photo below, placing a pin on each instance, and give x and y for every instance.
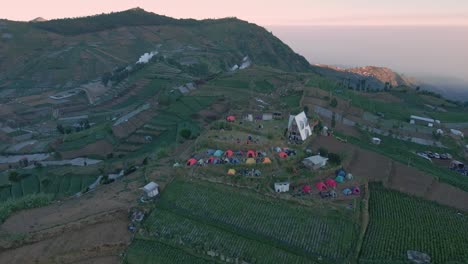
(207, 219)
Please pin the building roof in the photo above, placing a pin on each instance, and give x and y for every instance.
(150, 187)
(317, 159)
(281, 183)
(302, 124)
(422, 118)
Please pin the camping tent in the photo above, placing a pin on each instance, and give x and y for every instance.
(251, 154)
(306, 189)
(191, 162)
(266, 160)
(339, 179)
(250, 161)
(218, 153)
(321, 186)
(278, 149)
(210, 152)
(356, 190)
(347, 191)
(216, 161)
(229, 153)
(283, 155)
(333, 194)
(330, 183)
(231, 172)
(349, 176)
(341, 172)
(231, 118)
(234, 160)
(200, 162)
(257, 173)
(210, 160)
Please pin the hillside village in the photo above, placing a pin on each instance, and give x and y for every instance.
(193, 153)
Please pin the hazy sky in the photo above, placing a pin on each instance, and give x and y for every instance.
(263, 12)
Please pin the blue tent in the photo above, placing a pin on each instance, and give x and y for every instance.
(347, 191)
(218, 153)
(339, 179)
(210, 152)
(234, 160)
(216, 161)
(341, 172)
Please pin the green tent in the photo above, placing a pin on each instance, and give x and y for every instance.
(339, 179)
(218, 153)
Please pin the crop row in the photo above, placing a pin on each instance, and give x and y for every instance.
(399, 222)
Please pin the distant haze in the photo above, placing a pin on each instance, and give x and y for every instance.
(436, 55)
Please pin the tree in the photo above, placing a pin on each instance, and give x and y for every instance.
(333, 120)
(333, 102)
(323, 152)
(185, 133)
(306, 110)
(60, 129)
(13, 176)
(334, 158)
(318, 128)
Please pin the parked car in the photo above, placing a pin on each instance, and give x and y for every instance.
(443, 156)
(430, 154)
(436, 155)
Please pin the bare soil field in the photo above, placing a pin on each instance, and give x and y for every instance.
(395, 175)
(125, 129)
(89, 229)
(101, 147)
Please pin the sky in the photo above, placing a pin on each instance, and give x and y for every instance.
(263, 12)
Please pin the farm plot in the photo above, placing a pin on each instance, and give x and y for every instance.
(203, 239)
(314, 232)
(399, 222)
(143, 251)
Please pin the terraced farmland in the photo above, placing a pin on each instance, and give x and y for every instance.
(399, 222)
(253, 223)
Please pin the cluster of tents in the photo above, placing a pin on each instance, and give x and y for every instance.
(284, 152)
(245, 172)
(250, 157)
(327, 187)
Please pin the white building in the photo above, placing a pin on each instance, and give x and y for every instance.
(456, 132)
(151, 189)
(423, 120)
(298, 125)
(376, 141)
(315, 162)
(281, 186)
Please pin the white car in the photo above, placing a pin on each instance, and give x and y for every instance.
(436, 155)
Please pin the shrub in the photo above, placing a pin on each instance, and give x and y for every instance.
(185, 133)
(334, 158)
(333, 102)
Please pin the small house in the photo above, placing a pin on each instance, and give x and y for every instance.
(315, 162)
(151, 189)
(281, 186)
(376, 141)
(267, 117)
(423, 121)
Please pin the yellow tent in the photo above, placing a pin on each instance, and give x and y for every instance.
(266, 160)
(231, 172)
(250, 161)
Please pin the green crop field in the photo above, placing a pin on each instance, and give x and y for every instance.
(399, 222)
(329, 234)
(201, 238)
(149, 252)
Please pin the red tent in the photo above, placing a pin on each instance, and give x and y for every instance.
(191, 162)
(356, 190)
(306, 189)
(330, 183)
(251, 154)
(283, 155)
(229, 153)
(231, 118)
(211, 160)
(321, 186)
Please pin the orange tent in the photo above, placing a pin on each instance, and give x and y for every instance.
(266, 160)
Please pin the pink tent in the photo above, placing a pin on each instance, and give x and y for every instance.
(307, 189)
(356, 190)
(229, 153)
(321, 186)
(283, 155)
(251, 154)
(191, 162)
(330, 183)
(231, 118)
